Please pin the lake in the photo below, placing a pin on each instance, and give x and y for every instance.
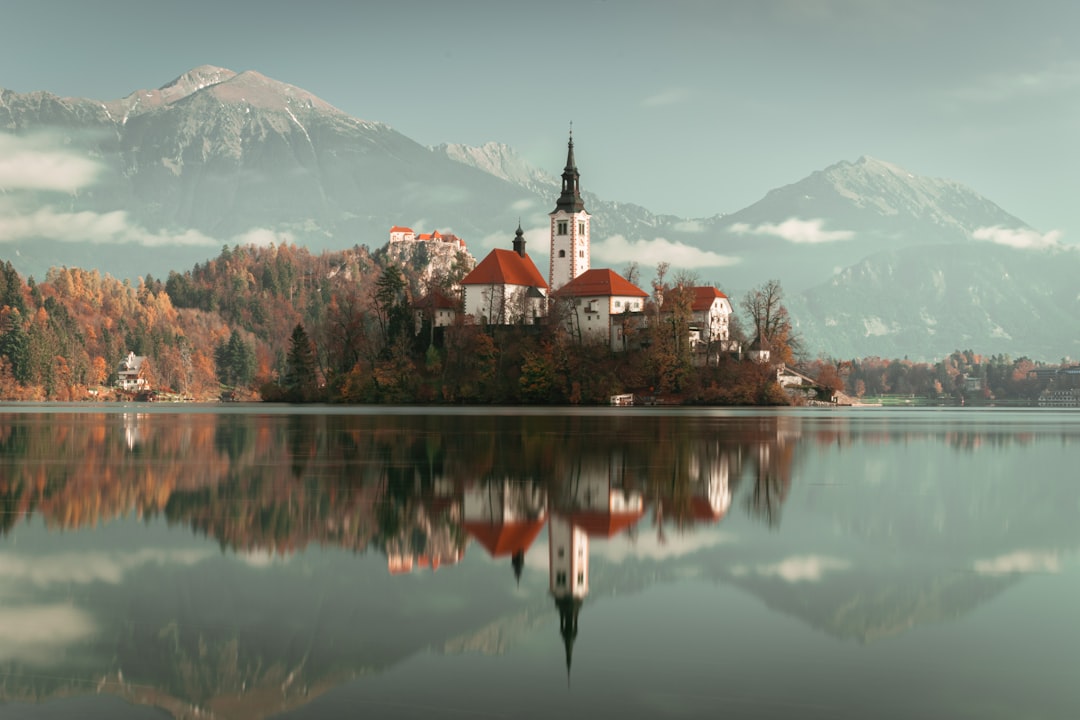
(325, 562)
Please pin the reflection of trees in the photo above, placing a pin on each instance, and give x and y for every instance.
(279, 483)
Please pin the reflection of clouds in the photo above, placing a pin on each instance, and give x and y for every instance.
(1022, 561)
(260, 558)
(646, 546)
(800, 568)
(83, 568)
(39, 634)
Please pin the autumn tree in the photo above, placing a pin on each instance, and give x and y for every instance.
(769, 318)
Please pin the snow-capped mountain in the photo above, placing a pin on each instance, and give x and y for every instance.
(161, 179)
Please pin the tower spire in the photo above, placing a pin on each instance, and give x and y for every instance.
(570, 200)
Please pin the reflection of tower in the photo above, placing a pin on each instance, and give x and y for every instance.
(568, 564)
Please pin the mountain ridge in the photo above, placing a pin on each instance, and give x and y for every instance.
(215, 157)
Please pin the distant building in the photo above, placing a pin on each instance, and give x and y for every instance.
(400, 233)
(131, 373)
(437, 307)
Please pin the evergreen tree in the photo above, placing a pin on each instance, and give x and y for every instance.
(299, 381)
(15, 344)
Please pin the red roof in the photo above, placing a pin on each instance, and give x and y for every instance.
(600, 282)
(703, 298)
(505, 538)
(436, 300)
(505, 267)
(605, 524)
(701, 509)
(399, 228)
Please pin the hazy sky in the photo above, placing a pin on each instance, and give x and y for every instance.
(689, 108)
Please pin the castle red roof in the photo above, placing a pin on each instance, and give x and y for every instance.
(505, 267)
(399, 228)
(600, 282)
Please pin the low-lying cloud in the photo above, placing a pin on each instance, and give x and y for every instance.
(34, 163)
(648, 253)
(1020, 562)
(115, 228)
(794, 230)
(1024, 239)
(799, 568)
(669, 96)
(89, 567)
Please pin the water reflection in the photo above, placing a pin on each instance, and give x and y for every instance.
(346, 538)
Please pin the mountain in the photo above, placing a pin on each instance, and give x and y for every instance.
(162, 179)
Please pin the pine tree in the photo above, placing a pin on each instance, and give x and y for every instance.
(299, 381)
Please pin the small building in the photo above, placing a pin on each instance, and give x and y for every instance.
(591, 303)
(131, 374)
(506, 288)
(436, 307)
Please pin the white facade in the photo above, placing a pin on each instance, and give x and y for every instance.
(401, 234)
(570, 247)
(589, 317)
(505, 304)
(714, 323)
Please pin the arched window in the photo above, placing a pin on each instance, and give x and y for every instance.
(562, 253)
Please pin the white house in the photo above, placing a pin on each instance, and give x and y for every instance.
(590, 303)
(130, 373)
(505, 288)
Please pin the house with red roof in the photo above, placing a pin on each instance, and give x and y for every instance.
(505, 288)
(590, 306)
(437, 307)
(710, 317)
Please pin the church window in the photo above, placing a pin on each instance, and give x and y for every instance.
(562, 551)
(580, 578)
(562, 253)
(581, 253)
(562, 228)
(581, 227)
(560, 578)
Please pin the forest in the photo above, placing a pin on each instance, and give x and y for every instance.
(279, 323)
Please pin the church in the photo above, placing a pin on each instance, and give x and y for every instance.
(507, 288)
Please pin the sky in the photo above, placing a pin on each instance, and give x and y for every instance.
(684, 107)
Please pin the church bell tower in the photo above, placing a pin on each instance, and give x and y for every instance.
(570, 247)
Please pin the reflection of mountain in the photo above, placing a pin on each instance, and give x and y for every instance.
(873, 604)
(299, 602)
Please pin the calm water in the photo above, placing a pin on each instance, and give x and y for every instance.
(250, 562)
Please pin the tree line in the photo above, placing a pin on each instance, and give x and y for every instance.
(280, 323)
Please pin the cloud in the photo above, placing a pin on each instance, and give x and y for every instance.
(671, 96)
(647, 253)
(262, 237)
(794, 230)
(646, 545)
(1052, 80)
(85, 568)
(690, 226)
(1025, 239)
(31, 163)
(115, 228)
(39, 633)
(1019, 562)
(800, 568)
